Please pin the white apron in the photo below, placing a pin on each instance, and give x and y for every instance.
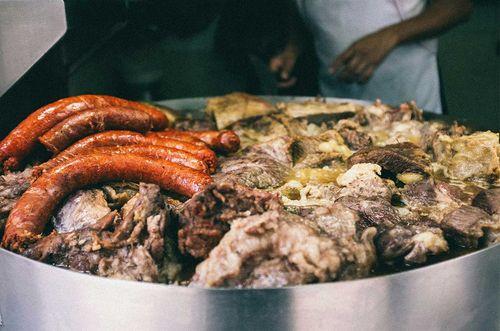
(409, 72)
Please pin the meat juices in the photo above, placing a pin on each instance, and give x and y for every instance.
(30, 214)
(22, 140)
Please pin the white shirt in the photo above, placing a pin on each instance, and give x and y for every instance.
(409, 72)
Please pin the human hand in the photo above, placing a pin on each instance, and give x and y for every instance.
(283, 64)
(358, 62)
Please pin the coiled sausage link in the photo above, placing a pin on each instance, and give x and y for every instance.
(155, 152)
(29, 216)
(178, 135)
(21, 141)
(91, 121)
(226, 141)
(222, 141)
(122, 138)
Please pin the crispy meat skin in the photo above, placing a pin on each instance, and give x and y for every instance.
(206, 217)
(129, 245)
(397, 158)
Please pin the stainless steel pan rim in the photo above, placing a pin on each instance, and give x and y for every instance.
(492, 250)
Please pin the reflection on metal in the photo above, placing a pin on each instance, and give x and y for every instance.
(28, 29)
(458, 294)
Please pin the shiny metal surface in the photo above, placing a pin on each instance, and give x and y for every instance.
(458, 294)
(28, 29)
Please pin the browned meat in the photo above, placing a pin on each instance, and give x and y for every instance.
(376, 212)
(12, 186)
(412, 243)
(81, 209)
(317, 151)
(397, 158)
(362, 180)
(488, 200)
(469, 227)
(206, 217)
(253, 170)
(353, 136)
(279, 149)
(129, 245)
(274, 249)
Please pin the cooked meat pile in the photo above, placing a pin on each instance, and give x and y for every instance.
(317, 192)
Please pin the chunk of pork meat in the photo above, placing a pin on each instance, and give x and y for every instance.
(274, 249)
(470, 226)
(206, 217)
(488, 200)
(129, 245)
(362, 180)
(81, 209)
(353, 135)
(398, 158)
(311, 152)
(413, 243)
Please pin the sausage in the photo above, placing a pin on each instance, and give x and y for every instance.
(178, 135)
(226, 141)
(155, 152)
(29, 216)
(222, 141)
(91, 121)
(121, 138)
(23, 139)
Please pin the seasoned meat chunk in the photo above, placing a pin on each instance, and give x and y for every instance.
(127, 245)
(353, 135)
(413, 243)
(397, 158)
(433, 198)
(318, 110)
(81, 209)
(468, 157)
(253, 170)
(362, 180)
(310, 152)
(206, 217)
(279, 149)
(12, 186)
(237, 106)
(274, 249)
(467, 226)
(488, 200)
(376, 212)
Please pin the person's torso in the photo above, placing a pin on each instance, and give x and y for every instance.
(336, 24)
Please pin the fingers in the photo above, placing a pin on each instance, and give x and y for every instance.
(276, 63)
(341, 60)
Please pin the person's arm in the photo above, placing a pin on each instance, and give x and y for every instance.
(358, 62)
(283, 63)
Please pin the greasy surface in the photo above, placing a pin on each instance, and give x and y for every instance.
(30, 215)
(152, 151)
(21, 141)
(225, 141)
(120, 138)
(92, 121)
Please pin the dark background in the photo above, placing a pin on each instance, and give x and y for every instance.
(154, 50)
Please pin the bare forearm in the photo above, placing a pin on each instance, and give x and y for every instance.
(439, 17)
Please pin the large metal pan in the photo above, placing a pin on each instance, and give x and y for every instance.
(458, 294)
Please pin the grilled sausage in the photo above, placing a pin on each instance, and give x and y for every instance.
(121, 138)
(29, 216)
(91, 121)
(21, 141)
(222, 141)
(155, 152)
(226, 141)
(178, 135)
